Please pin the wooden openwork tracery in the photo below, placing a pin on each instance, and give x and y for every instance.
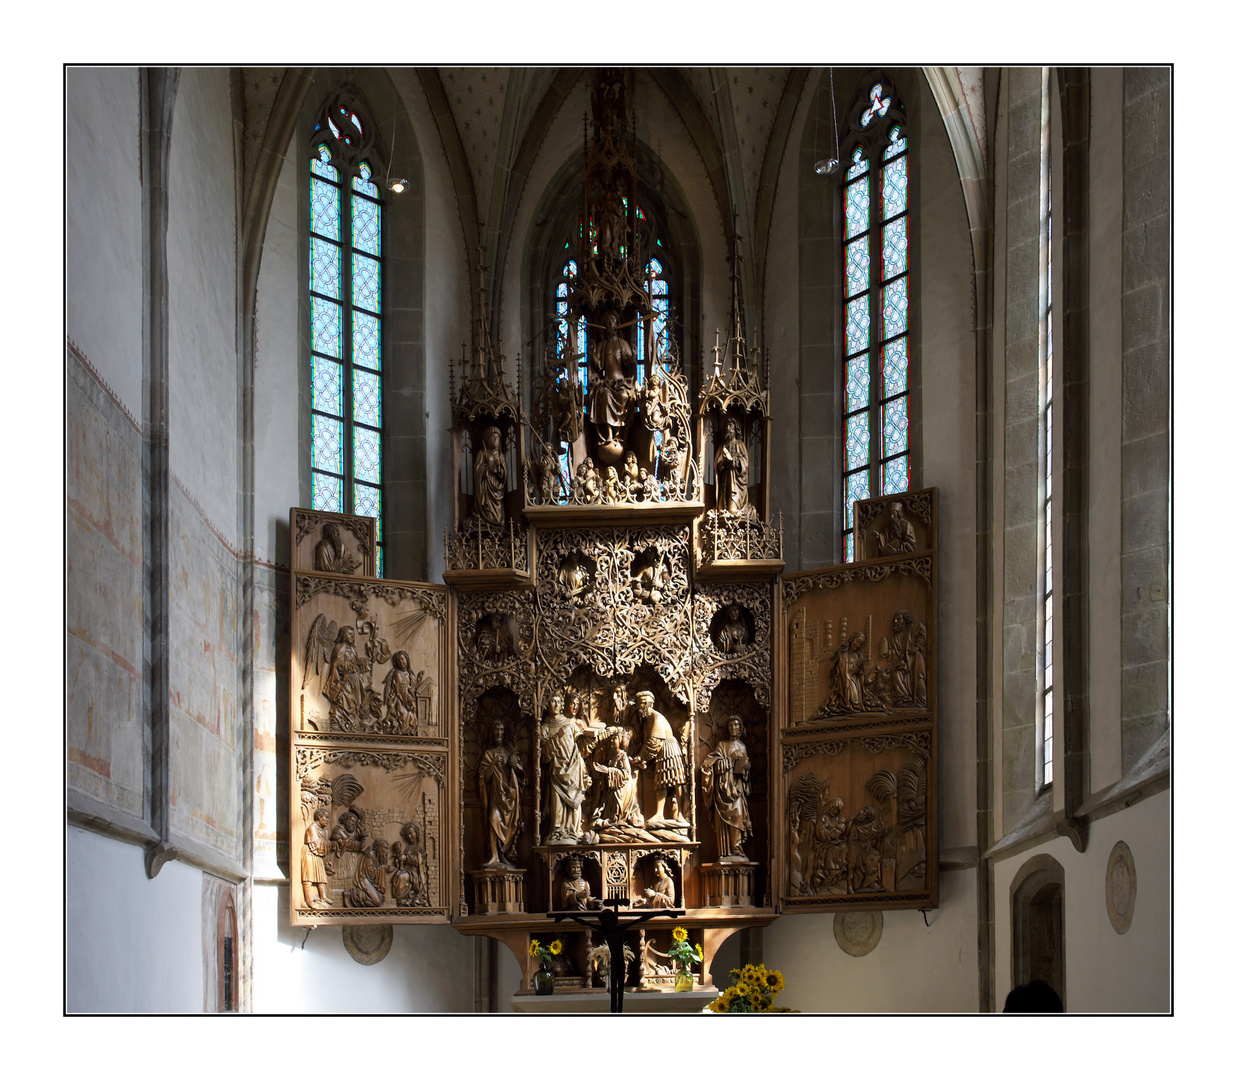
(598, 706)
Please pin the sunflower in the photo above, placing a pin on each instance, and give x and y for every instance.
(776, 982)
(556, 946)
(680, 934)
(534, 947)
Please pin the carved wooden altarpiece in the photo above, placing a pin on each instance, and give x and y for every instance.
(615, 697)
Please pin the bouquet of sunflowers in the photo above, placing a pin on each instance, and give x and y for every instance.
(754, 989)
(544, 953)
(682, 953)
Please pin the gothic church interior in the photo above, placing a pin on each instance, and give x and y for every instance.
(944, 280)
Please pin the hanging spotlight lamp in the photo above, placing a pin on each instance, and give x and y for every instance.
(828, 166)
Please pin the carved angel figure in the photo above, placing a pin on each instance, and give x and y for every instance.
(498, 776)
(725, 782)
(344, 686)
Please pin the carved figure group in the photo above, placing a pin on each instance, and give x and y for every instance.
(725, 783)
(565, 776)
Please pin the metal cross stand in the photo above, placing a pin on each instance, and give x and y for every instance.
(612, 923)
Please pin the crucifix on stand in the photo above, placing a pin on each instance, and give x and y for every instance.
(613, 923)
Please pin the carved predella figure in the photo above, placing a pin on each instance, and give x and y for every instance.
(899, 537)
(725, 782)
(733, 635)
(611, 396)
(313, 866)
(661, 893)
(661, 751)
(490, 479)
(730, 467)
(498, 777)
(562, 743)
(577, 894)
(330, 554)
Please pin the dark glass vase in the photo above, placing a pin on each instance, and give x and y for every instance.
(543, 980)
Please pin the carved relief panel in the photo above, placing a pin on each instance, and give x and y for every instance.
(371, 790)
(333, 543)
(858, 793)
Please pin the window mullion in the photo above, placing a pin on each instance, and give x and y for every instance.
(876, 445)
(345, 234)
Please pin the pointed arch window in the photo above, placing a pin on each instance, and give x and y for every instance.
(876, 302)
(346, 311)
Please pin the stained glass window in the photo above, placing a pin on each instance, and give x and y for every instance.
(875, 313)
(345, 302)
(1046, 441)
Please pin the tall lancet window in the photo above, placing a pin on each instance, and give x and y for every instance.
(1047, 462)
(345, 287)
(876, 299)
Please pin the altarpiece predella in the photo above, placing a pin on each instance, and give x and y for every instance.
(617, 697)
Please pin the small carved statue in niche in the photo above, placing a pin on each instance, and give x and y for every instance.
(730, 468)
(545, 475)
(369, 882)
(575, 579)
(661, 893)
(496, 637)
(313, 854)
(612, 484)
(408, 877)
(651, 582)
(565, 771)
(733, 634)
(725, 782)
(661, 751)
(905, 649)
(631, 475)
(489, 473)
(400, 697)
(576, 893)
(620, 803)
(498, 776)
(899, 538)
(611, 395)
(330, 555)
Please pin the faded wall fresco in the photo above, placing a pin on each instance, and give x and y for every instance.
(270, 632)
(103, 595)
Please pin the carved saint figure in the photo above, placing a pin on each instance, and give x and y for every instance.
(848, 674)
(725, 782)
(661, 751)
(313, 868)
(906, 649)
(350, 834)
(545, 475)
(733, 634)
(650, 584)
(566, 772)
(408, 876)
(498, 776)
(730, 469)
(899, 538)
(330, 554)
(489, 473)
(866, 835)
(611, 395)
(661, 894)
(399, 695)
(577, 894)
(369, 883)
(575, 579)
(619, 803)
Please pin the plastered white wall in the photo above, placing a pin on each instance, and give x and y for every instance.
(429, 968)
(1105, 971)
(103, 226)
(131, 944)
(201, 259)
